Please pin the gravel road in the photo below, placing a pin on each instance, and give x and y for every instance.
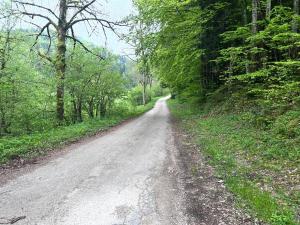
(127, 176)
(140, 173)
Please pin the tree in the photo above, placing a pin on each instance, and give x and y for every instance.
(137, 38)
(6, 46)
(255, 4)
(93, 84)
(77, 11)
(296, 11)
(268, 8)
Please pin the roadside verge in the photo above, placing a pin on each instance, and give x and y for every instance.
(238, 154)
(20, 150)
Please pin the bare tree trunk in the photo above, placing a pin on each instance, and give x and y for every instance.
(60, 61)
(296, 10)
(268, 9)
(254, 15)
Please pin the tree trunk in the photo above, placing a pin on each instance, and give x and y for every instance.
(98, 110)
(91, 108)
(144, 89)
(2, 125)
(102, 109)
(144, 94)
(79, 111)
(254, 15)
(255, 4)
(245, 21)
(296, 11)
(245, 16)
(268, 9)
(4, 51)
(74, 111)
(60, 61)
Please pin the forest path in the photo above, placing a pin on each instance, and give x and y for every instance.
(122, 177)
(140, 173)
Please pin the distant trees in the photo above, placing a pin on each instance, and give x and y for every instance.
(93, 84)
(138, 38)
(170, 35)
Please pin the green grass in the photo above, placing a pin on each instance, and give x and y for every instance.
(33, 145)
(259, 166)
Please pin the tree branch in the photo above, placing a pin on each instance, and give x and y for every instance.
(83, 46)
(40, 33)
(80, 11)
(32, 15)
(44, 56)
(36, 5)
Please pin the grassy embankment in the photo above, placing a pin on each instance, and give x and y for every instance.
(260, 166)
(36, 144)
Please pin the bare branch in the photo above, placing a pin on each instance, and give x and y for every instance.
(80, 11)
(44, 56)
(50, 40)
(73, 35)
(102, 22)
(32, 15)
(37, 6)
(84, 47)
(40, 33)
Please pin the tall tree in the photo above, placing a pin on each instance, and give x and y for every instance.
(268, 8)
(7, 39)
(254, 16)
(77, 12)
(296, 11)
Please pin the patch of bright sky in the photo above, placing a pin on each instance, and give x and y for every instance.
(113, 10)
(116, 10)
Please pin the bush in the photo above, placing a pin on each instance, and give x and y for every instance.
(136, 95)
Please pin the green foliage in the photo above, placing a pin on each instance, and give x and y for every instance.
(25, 95)
(35, 144)
(135, 95)
(98, 94)
(93, 84)
(28, 85)
(263, 67)
(245, 74)
(196, 47)
(176, 42)
(255, 163)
